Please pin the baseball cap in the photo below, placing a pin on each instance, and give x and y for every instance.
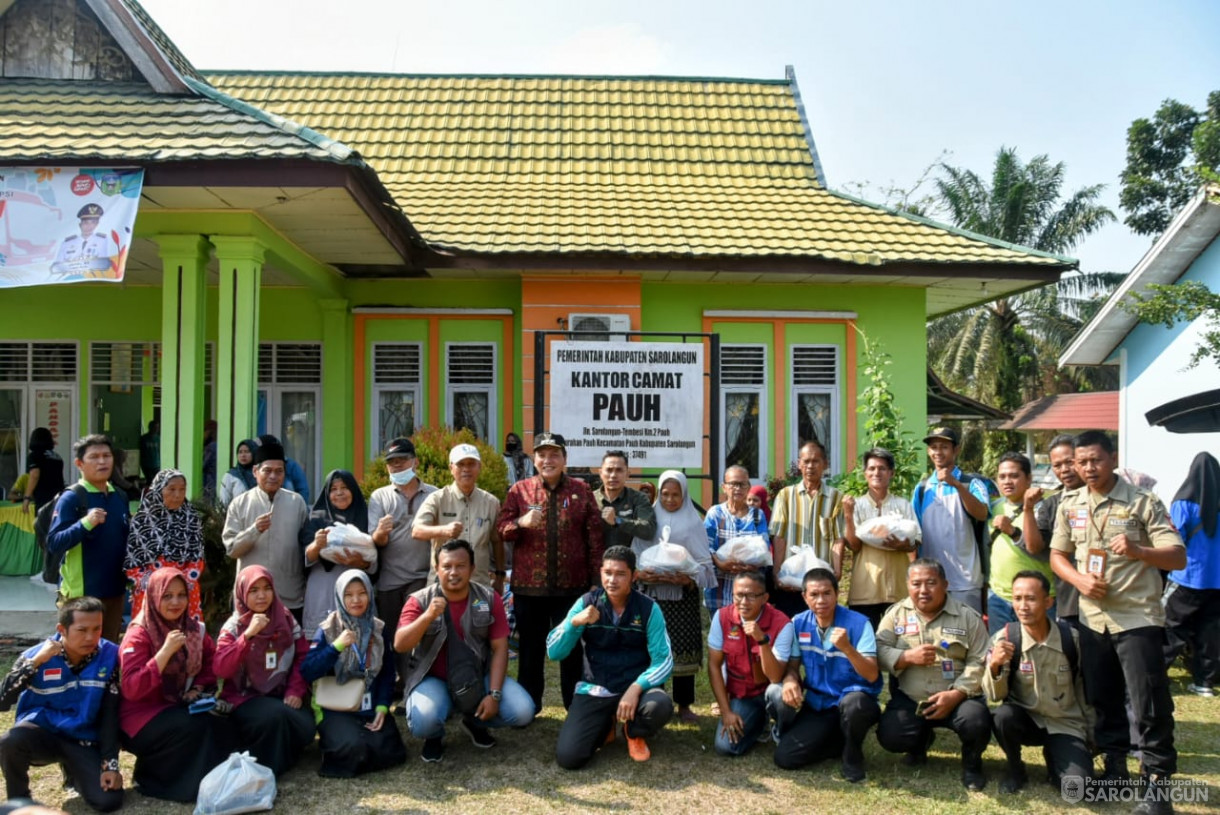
(399, 448)
(549, 439)
(462, 452)
(946, 433)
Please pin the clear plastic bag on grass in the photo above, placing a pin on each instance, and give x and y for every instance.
(237, 784)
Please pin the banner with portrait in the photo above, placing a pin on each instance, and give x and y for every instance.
(66, 224)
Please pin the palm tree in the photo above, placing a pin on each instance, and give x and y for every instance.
(1004, 352)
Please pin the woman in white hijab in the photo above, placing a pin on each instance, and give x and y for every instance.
(679, 595)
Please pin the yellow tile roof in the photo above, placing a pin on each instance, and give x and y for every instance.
(58, 120)
(636, 166)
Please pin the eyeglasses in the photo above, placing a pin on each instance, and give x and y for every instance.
(746, 598)
(737, 485)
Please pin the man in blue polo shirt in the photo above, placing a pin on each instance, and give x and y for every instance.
(67, 694)
(89, 532)
(947, 508)
(831, 710)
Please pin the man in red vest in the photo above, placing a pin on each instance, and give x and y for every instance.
(752, 640)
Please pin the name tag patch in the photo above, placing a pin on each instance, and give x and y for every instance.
(1027, 667)
(961, 632)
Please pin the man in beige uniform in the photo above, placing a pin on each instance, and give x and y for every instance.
(1110, 539)
(1041, 687)
(934, 646)
(462, 510)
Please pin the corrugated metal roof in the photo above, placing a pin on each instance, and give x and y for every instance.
(637, 166)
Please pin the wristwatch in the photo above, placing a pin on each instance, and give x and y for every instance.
(766, 639)
(110, 765)
(495, 694)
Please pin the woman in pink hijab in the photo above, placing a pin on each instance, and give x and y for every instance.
(757, 498)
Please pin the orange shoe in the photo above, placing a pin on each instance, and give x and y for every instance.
(637, 748)
(610, 736)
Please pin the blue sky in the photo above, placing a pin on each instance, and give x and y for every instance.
(887, 86)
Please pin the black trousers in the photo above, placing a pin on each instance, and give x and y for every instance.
(821, 734)
(350, 749)
(1065, 755)
(1192, 617)
(536, 616)
(591, 717)
(1134, 662)
(175, 750)
(28, 745)
(389, 609)
(684, 690)
(901, 731)
(874, 612)
(274, 733)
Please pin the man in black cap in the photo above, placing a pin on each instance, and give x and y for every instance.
(269, 526)
(405, 560)
(947, 508)
(87, 245)
(555, 527)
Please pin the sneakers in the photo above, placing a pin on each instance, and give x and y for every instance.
(974, 780)
(852, 773)
(434, 750)
(637, 748)
(1156, 800)
(479, 736)
(1201, 690)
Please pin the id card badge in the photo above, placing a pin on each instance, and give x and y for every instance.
(1095, 563)
(946, 669)
(270, 660)
(366, 701)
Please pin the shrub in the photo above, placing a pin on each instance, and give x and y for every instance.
(432, 446)
(216, 584)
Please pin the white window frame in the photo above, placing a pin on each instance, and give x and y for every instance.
(277, 387)
(415, 388)
(492, 389)
(764, 436)
(836, 464)
(29, 386)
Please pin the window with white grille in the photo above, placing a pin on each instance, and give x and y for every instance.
(396, 390)
(743, 408)
(289, 363)
(815, 400)
(38, 361)
(470, 379)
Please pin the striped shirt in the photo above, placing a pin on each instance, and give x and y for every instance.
(804, 518)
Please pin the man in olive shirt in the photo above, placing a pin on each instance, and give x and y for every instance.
(464, 510)
(1041, 688)
(934, 647)
(626, 513)
(1110, 539)
(1063, 464)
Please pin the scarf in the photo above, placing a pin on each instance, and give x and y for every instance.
(686, 530)
(159, 532)
(761, 491)
(188, 660)
(369, 646)
(1202, 487)
(245, 474)
(280, 636)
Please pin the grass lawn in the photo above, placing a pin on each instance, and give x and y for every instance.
(684, 776)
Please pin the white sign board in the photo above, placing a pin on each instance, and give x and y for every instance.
(642, 397)
(66, 224)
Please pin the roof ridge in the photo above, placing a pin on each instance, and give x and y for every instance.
(957, 230)
(335, 148)
(401, 75)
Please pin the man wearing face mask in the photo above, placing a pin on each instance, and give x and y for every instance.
(404, 558)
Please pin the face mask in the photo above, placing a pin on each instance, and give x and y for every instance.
(512, 446)
(402, 478)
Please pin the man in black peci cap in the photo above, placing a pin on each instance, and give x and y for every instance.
(87, 245)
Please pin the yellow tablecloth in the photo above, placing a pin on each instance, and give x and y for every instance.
(19, 552)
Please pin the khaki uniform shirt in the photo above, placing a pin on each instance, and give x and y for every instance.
(959, 636)
(877, 575)
(475, 512)
(1043, 684)
(804, 518)
(1086, 522)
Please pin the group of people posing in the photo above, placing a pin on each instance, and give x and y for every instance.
(325, 641)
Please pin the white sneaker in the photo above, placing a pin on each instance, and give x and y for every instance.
(1201, 690)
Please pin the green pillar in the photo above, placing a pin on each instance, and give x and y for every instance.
(241, 271)
(336, 415)
(184, 260)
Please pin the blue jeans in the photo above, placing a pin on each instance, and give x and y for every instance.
(756, 713)
(429, 705)
(1000, 613)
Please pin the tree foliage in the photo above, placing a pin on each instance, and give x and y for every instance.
(1004, 353)
(1168, 158)
(1182, 302)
